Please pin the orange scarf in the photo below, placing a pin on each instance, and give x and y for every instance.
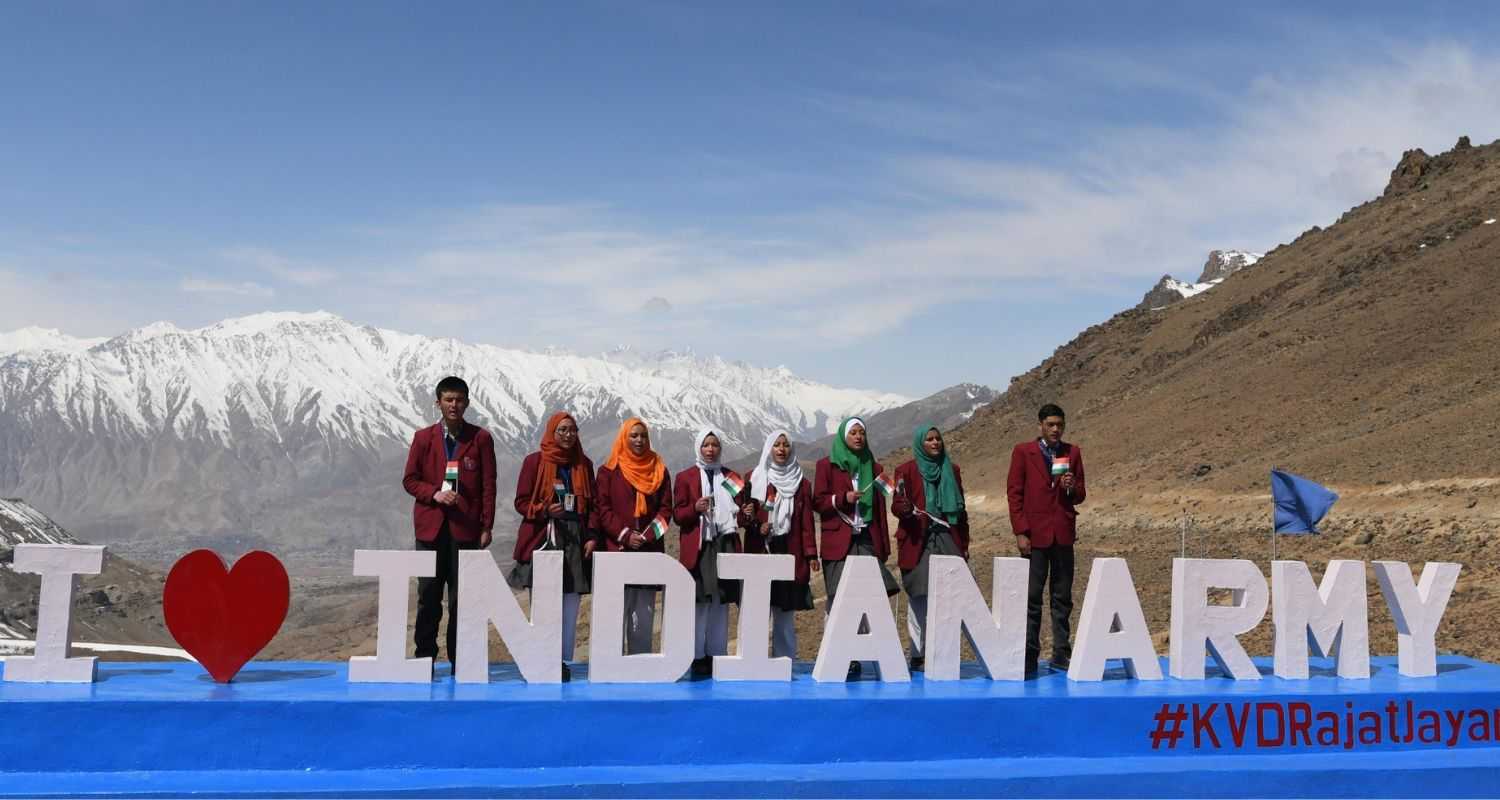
(644, 472)
(554, 456)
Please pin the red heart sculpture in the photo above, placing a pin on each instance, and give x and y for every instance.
(223, 617)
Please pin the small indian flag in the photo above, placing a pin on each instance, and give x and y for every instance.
(450, 476)
(884, 485)
(657, 529)
(733, 483)
(1060, 466)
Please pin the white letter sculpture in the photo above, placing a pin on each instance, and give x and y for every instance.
(59, 565)
(1196, 624)
(955, 606)
(1112, 626)
(1332, 618)
(485, 598)
(395, 569)
(861, 596)
(612, 573)
(752, 662)
(1417, 610)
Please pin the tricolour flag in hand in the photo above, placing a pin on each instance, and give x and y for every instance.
(884, 485)
(1300, 503)
(733, 483)
(657, 529)
(1060, 466)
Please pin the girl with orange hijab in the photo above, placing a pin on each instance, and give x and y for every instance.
(555, 497)
(635, 510)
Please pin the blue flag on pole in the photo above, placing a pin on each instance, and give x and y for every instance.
(1300, 503)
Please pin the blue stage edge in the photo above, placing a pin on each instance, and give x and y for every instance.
(299, 729)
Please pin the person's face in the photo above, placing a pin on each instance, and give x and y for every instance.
(855, 438)
(452, 405)
(932, 443)
(1052, 429)
(781, 450)
(638, 440)
(709, 450)
(566, 434)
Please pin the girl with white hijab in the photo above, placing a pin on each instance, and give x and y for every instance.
(777, 512)
(707, 520)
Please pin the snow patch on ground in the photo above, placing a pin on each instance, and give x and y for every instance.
(26, 646)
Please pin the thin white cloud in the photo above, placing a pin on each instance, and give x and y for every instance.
(283, 269)
(236, 289)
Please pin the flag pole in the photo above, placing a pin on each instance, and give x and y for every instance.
(1182, 536)
(1273, 529)
(1273, 517)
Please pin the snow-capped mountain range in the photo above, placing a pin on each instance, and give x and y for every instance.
(1220, 265)
(262, 429)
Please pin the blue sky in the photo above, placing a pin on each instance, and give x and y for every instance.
(894, 196)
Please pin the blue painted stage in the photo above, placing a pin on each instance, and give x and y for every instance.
(299, 729)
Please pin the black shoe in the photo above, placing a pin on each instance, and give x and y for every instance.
(567, 673)
(917, 663)
(703, 667)
(855, 670)
(1059, 663)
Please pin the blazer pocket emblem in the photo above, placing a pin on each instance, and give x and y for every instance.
(469, 463)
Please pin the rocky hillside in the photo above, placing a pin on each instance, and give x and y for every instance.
(1360, 355)
(121, 605)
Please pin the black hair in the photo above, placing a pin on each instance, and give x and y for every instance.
(452, 383)
(1050, 410)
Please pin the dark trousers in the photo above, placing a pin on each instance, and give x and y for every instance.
(430, 596)
(1055, 562)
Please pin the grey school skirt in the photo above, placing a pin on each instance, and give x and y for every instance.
(833, 571)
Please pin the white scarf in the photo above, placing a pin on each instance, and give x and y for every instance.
(787, 478)
(725, 519)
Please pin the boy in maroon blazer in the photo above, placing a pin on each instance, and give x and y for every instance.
(450, 474)
(1044, 487)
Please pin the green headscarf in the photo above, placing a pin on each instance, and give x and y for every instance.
(943, 494)
(859, 465)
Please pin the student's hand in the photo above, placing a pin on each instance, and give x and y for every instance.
(485, 537)
(446, 498)
(1023, 543)
(812, 564)
(635, 540)
(851, 497)
(902, 507)
(703, 505)
(588, 548)
(1066, 481)
(555, 510)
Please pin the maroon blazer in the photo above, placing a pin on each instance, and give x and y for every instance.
(911, 528)
(1039, 507)
(425, 464)
(616, 498)
(830, 487)
(686, 491)
(802, 540)
(533, 528)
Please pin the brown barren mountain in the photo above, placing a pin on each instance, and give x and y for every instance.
(1363, 356)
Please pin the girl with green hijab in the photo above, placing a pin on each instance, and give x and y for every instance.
(852, 510)
(929, 504)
